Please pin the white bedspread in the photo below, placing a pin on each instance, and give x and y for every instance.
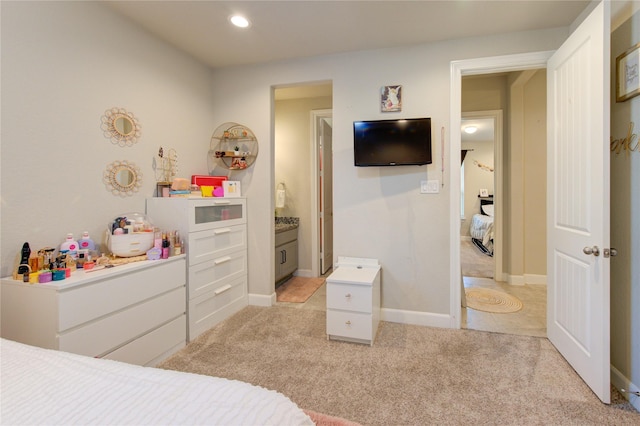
(482, 229)
(40, 386)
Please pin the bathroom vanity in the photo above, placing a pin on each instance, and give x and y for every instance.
(286, 254)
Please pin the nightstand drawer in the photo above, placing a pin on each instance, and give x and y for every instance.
(352, 325)
(348, 297)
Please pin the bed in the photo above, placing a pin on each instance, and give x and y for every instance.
(43, 386)
(481, 228)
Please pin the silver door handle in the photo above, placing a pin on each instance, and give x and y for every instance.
(591, 250)
(610, 252)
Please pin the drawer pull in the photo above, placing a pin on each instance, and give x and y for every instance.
(348, 323)
(222, 231)
(348, 295)
(222, 289)
(222, 260)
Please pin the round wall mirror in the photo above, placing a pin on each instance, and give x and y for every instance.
(122, 178)
(121, 127)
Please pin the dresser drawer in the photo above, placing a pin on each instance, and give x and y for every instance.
(212, 243)
(148, 348)
(352, 325)
(99, 337)
(208, 309)
(117, 291)
(349, 297)
(208, 276)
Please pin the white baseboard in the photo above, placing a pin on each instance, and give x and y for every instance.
(262, 299)
(619, 381)
(535, 279)
(415, 318)
(525, 279)
(304, 273)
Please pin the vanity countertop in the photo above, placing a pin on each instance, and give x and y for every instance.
(286, 223)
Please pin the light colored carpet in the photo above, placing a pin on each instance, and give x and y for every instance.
(298, 289)
(494, 301)
(473, 262)
(412, 375)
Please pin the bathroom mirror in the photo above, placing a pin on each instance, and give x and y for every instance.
(122, 178)
(120, 126)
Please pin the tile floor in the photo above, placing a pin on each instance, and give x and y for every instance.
(531, 320)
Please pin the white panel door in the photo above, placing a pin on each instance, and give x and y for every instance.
(326, 202)
(578, 200)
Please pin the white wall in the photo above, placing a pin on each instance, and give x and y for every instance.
(378, 212)
(293, 146)
(625, 224)
(63, 65)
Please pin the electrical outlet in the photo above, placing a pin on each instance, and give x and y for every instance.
(429, 186)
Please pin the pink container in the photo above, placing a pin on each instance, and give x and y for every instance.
(45, 277)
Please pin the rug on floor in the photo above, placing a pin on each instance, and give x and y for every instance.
(298, 289)
(494, 301)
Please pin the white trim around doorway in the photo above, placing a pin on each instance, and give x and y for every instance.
(489, 65)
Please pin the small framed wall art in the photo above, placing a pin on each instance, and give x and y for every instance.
(231, 188)
(391, 98)
(628, 74)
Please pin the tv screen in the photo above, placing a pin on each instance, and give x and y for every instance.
(400, 142)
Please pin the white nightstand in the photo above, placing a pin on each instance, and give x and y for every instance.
(353, 300)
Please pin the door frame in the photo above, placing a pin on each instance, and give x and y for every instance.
(490, 65)
(316, 116)
(498, 199)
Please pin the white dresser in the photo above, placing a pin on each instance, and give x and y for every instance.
(215, 235)
(353, 300)
(134, 313)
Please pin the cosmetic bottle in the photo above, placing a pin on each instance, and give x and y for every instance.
(165, 246)
(86, 243)
(70, 245)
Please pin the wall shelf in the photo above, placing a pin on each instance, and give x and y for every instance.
(226, 138)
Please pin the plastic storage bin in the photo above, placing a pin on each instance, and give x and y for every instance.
(130, 235)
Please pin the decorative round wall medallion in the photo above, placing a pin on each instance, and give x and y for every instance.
(122, 178)
(120, 126)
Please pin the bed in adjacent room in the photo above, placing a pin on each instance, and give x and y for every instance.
(43, 386)
(481, 228)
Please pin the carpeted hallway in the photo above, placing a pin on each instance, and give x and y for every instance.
(412, 375)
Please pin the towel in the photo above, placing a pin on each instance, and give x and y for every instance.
(280, 198)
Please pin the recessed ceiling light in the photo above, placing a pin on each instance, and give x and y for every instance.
(239, 21)
(470, 129)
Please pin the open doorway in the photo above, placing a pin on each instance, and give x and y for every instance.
(501, 202)
(302, 113)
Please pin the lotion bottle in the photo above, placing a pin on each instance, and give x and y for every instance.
(70, 245)
(86, 243)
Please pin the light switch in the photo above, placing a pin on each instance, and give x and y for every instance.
(429, 186)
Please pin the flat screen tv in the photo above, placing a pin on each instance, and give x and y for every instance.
(402, 142)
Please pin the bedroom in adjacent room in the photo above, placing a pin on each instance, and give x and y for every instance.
(503, 202)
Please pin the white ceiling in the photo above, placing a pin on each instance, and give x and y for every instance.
(293, 29)
(484, 133)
